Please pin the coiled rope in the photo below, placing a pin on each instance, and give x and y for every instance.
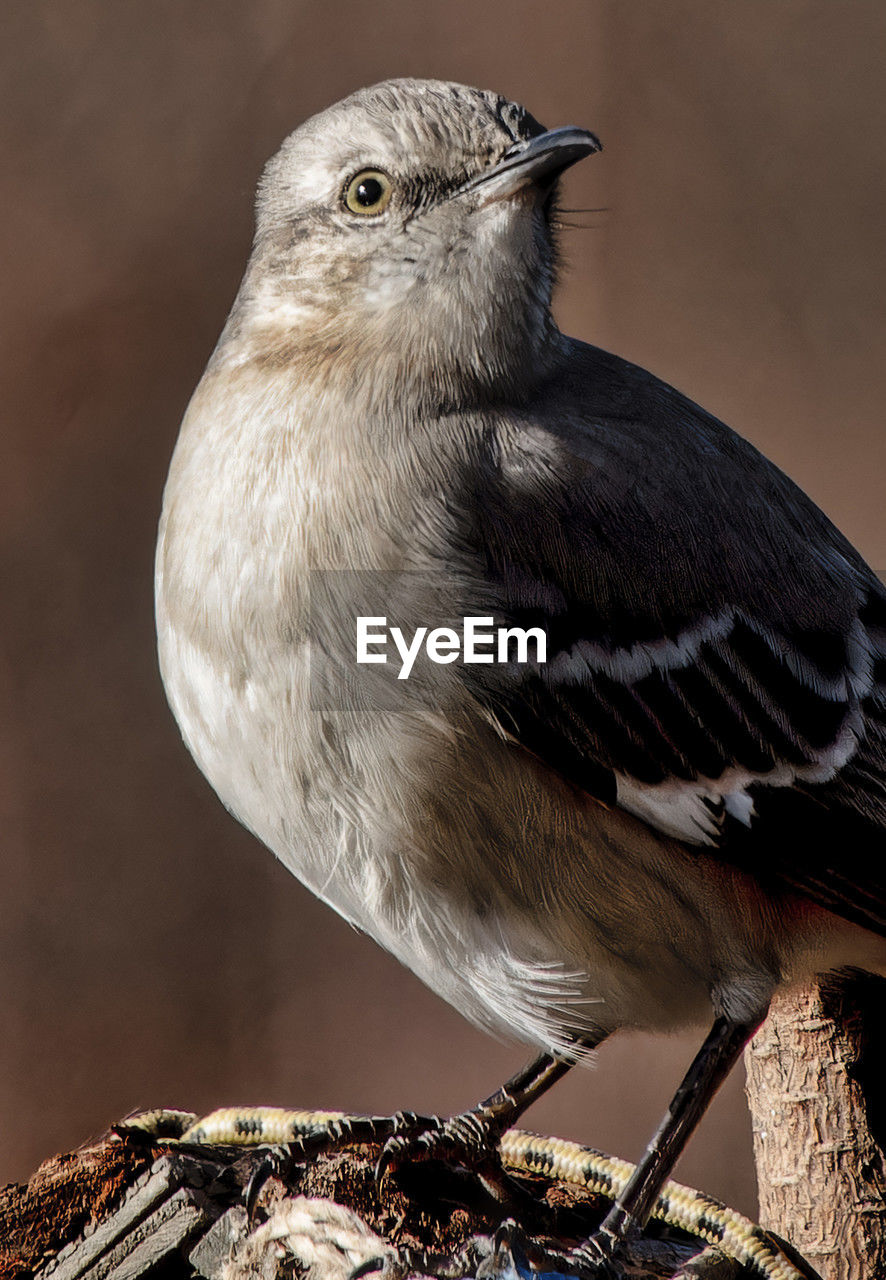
(555, 1158)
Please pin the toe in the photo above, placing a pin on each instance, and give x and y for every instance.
(273, 1164)
(596, 1257)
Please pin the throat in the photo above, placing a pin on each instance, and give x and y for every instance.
(380, 372)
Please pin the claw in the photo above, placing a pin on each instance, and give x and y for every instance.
(595, 1257)
(515, 1254)
(469, 1139)
(405, 1121)
(508, 1245)
(273, 1164)
(386, 1161)
(406, 1142)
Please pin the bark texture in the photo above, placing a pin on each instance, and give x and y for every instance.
(817, 1088)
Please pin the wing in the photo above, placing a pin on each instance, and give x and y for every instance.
(716, 650)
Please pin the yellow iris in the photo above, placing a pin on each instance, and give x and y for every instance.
(368, 192)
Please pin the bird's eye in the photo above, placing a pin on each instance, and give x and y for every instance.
(368, 192)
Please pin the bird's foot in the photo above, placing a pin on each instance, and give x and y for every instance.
(469, 1140)
(595, 1257)
(611, 1255)
(277, 1162)
(515, 1255)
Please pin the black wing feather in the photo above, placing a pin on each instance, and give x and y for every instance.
(702, 615)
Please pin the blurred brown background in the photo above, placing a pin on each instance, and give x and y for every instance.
(150, 952)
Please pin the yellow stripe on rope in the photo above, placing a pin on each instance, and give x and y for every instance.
(600, 1174)
(677, 1205)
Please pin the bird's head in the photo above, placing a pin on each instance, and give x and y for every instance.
(407, 231)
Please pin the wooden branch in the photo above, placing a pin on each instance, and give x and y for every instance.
(813, 1077)
(63, 1198)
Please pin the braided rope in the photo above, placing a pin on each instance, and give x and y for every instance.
(678, 1206)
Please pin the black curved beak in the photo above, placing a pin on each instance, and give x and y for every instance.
(540, 159)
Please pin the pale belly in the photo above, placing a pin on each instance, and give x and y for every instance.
(537, 916)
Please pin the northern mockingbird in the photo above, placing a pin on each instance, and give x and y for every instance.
(673, 810)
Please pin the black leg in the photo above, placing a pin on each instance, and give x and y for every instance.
(712, 1064)
(472, 1136)
(507, 1104)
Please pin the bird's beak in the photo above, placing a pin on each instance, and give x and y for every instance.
(540, 159)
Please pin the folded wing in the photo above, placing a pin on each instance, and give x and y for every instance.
(716, 651)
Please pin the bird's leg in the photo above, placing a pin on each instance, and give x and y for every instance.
(631, 1211)
(470, 1138)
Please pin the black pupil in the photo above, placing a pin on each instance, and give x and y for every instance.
(369, 192)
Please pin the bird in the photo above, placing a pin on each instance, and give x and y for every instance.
(634, 774)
